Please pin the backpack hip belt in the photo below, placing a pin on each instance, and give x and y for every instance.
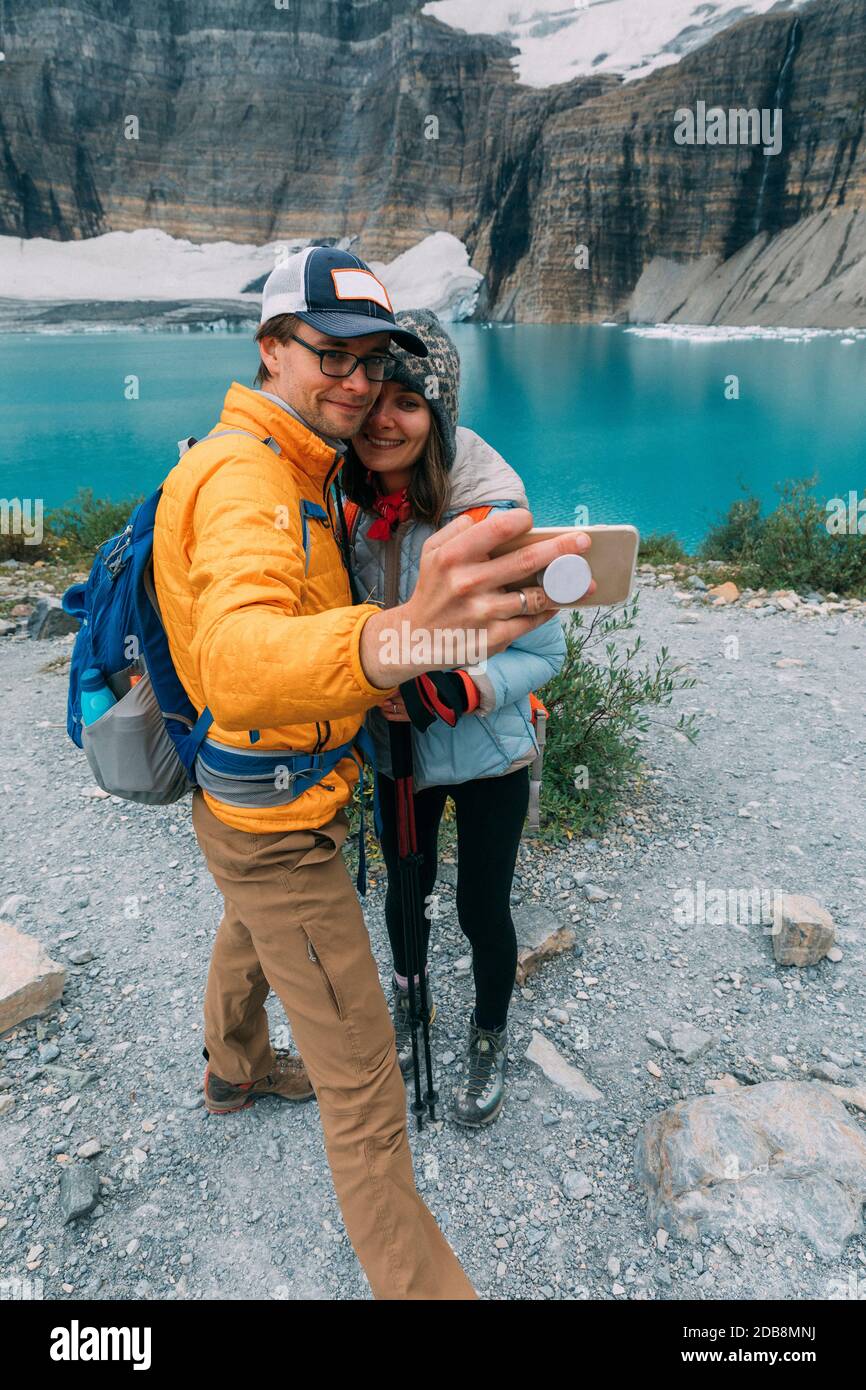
(275, 777)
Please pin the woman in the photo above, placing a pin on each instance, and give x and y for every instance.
(409, 470)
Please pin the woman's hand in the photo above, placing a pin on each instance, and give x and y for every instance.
(394, 709)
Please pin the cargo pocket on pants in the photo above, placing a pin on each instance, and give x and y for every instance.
(335, 998)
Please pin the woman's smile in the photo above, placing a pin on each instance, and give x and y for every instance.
(378, 441)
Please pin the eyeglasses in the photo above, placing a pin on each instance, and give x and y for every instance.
(333, 362)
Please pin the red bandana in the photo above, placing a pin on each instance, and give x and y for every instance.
(392, 509)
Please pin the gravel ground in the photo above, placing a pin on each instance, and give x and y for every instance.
(771, 796)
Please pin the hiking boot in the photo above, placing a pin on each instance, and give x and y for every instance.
(481, 1091)
(400, 1008)
(287, 1080)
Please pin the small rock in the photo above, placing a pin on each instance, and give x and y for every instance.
(576, 1185)
(689, 1042)
(826, 1071)
(30, 981)
(541, 935)
(803, 931)
(79, 1191)
(839, 1059)
(725, 593)
(558, 1070)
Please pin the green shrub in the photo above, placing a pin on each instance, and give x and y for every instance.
(661, 549)
(791, 547)
(72, 532)
(598, 703)
(737, 537)
(80, 526)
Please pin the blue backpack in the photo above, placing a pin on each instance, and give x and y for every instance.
(146, 746)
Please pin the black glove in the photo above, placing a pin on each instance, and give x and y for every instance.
(438, 695)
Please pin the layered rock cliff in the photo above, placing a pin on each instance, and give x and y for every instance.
(366, 118)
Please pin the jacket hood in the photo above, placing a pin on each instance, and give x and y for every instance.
(481, 475)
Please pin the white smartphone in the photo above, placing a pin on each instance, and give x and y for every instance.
(611, 560)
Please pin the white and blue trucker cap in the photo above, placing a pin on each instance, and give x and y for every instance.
(336, 293)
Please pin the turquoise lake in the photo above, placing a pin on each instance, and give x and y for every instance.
(636, 429)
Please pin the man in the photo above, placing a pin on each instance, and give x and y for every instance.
(258, 612)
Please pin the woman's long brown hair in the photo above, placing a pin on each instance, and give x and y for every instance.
(429, 486)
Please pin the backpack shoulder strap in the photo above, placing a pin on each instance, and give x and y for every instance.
(184, 445)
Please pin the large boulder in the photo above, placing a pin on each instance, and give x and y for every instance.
(50, 619)
(782, 1153)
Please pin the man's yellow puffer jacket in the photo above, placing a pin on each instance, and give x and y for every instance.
(265, 646)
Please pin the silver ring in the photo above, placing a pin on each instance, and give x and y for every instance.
(524, 604)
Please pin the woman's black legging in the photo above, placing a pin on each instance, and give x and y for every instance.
(490, 816)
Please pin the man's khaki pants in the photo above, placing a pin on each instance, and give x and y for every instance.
(293, 923)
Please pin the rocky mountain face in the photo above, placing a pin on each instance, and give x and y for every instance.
(365, 118)
(611, 175)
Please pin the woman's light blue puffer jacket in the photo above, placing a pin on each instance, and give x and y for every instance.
(500, 737)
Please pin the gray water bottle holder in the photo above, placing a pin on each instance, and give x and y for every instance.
(130, 751)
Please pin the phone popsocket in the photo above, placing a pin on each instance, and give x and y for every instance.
(566, 578)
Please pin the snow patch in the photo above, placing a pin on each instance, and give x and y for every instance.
(147, 264)
(150, 265)
(434, 274)
(557, 41)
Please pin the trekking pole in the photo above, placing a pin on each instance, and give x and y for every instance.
(400, 735)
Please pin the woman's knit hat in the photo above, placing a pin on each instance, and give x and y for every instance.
(436, 377)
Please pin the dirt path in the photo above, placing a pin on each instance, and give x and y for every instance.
(772, 796)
